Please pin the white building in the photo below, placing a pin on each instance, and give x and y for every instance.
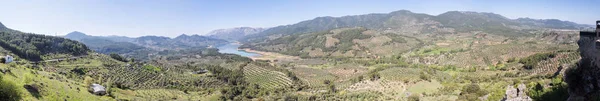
(8, 59)
(97, 89)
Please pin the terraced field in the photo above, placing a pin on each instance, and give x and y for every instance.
(389, 89)
(314, 78)
(266, 78)
(139, 78)
(401, 74)
(164, 94)
(558, 64)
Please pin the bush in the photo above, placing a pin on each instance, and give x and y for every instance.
(118, 57)
(413, 97)
(471, 92)
(151, 68)
(8, 91)
(510, 60)
(531, 61)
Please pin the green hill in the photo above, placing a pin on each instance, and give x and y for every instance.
(34, 46)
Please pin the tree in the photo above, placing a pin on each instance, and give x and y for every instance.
(413, 97)
(118, 57)
(471, 92)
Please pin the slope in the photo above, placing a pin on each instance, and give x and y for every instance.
(34, 46)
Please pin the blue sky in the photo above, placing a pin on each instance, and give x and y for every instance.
(174, 17)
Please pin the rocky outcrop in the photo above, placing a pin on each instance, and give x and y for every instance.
(584, 79)
(516, 94)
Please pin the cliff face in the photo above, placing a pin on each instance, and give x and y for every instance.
(584, 79)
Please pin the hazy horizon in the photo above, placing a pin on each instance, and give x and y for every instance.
(173, 18)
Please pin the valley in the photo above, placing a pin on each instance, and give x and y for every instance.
(396, 56)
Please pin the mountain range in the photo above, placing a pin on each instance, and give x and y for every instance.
(376, 35)
(141, 46)
(460, 21)
(393, 56)
(234, 34)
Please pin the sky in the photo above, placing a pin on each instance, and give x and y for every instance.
(171, 18)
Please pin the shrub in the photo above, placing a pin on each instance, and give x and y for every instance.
(510, 60)
(118, 57)
(424, 76)
(413, 97)
(531, 61)
(471, 92)
(8, 91)
(151, 68)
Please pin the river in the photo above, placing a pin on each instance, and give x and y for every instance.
(233, 49)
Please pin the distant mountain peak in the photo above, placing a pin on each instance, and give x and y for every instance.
(196, 35)
(401, 12)
(182, 35)
(76, 35)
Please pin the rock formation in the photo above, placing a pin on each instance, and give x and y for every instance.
(516, 94)
(584, 78)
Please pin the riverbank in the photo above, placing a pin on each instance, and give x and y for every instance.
(269, 55)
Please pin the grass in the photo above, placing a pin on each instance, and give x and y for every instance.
(151, 68)
(432, 51)
(422, 87)
(57, 88)
(401, 74)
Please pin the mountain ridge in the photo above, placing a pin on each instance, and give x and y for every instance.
(134, 47)
(233, 34)
(462, 21)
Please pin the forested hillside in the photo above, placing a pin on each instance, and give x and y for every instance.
(33, 46)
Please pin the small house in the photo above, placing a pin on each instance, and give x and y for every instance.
(8, 59)
(201, 71)
(97, 89)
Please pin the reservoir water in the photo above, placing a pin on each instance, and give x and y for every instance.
(232, 48)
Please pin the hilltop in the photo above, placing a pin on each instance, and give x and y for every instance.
(233, 34)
